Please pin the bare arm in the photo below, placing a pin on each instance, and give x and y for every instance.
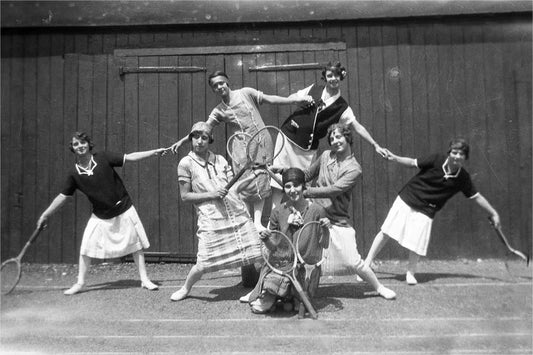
(56, 204)
(406, 161)
(187, 195)
(292, 99)
(143, 155)
(361, 130)
(484, 204)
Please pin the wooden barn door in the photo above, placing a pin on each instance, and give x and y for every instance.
(166, 91)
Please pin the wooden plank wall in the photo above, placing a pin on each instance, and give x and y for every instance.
(413, 84)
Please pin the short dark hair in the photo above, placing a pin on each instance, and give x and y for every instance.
(82, 136)
(461, 144)
(296, 175)
(336, 68)
(215, 74)
(344, 129)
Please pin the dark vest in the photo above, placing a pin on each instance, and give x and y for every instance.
(306, 126)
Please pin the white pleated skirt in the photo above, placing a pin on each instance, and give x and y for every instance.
(114, 237)
(410, 228)
(342, 257)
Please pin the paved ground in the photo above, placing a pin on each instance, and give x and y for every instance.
(459, 307)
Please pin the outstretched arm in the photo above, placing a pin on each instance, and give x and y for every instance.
(292, 99)
(406, 161)
(143, 155)
(361, 130)
(56, 204)
(484, 203)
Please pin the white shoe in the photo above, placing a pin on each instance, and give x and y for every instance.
(149, 285)
(358, 279)
(179, 295)
(410, 278)
(263, 304)
(246, 298)
(74, 289)
(386, 293)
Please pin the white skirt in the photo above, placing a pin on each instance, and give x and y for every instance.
(342, 257)
(410, 228)
(114, 237)
(292, 156)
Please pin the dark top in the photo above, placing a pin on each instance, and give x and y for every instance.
(306, 126)
(104, 187)
(428, 191)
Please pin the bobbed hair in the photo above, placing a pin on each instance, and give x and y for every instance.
(461, 144)
(81, 136)
(344, 129)
(215, 74)
(336, 68)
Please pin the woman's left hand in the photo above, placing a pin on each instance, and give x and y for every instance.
(325, 222)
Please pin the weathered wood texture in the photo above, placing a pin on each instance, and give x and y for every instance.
(413, 84)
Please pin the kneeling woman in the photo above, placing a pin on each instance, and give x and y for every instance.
(288, 218)
(227, 237)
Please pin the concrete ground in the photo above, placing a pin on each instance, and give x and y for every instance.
(458, 307)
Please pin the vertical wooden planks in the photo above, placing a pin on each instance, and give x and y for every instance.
(5, 152)
(85, 124)
(406, 109)
(29, 137)
(367, 119)
(148, 201)
(99, 100)
(187, 240)
(70, 110)
(58, 146)
(496, 154)
(352, 97)
(475, 116)
(43, 106)
(170, 222)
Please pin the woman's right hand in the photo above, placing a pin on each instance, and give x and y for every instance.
(41, 222)
(174, 147)
(220, 193)
(264, 234)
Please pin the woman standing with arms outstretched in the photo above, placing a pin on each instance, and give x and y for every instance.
(114, 229)
(306, 126)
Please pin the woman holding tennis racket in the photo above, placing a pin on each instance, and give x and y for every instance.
(227, 237)
(306, 126)
(411, 216)
(289, 218)
(114, 228)
(239, 109)
(336, 173)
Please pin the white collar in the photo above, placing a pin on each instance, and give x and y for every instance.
(446, 174)
(89, 171)
(331, 99)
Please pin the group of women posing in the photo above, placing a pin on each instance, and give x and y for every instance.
(229, 221)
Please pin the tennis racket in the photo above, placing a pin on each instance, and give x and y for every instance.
(236, 148)
(506, 242)
(281, 256)
(260, 152)
(11, 269)
(310, 251)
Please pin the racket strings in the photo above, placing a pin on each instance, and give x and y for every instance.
(9, 276)
(281, 256)
(308, 243)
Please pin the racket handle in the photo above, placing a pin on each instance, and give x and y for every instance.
(235, 178)
(305, 300)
